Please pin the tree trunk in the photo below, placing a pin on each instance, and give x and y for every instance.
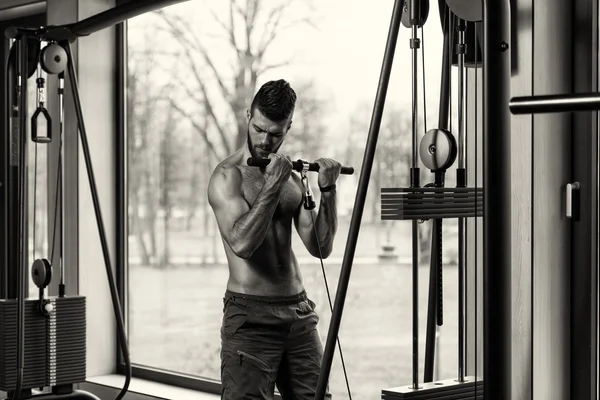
(151, 226)
(424, 242)
(215, 242)
(139, 231)
(242, 130)
(375, 197)
(199, 178)
(166, 258)
(191, 214)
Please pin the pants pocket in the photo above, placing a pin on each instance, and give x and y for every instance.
(234, 317)
(246, 376)
(253, 359)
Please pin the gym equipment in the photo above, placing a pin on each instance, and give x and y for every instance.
(54, 341)
(437, 202)
(438, 150)
(43, 341)
(467, 10)
(423, 13)
(444, 389)
(497, 197)
(473, 33)
(296, 165)
(41, 99)
(554, 103)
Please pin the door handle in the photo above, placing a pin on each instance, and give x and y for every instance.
(572, 200)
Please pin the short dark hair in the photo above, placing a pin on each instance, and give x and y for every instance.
(275, 100)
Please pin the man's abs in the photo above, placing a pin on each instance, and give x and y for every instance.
(248, 277)
(271, 270)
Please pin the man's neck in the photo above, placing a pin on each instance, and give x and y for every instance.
(246, 153)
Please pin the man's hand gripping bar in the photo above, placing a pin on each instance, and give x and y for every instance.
(296, 165)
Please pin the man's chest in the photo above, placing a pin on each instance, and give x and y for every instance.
(289, 200)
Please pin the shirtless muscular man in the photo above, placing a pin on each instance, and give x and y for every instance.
(269, 330)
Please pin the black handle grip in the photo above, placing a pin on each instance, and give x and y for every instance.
(41, 112)
(296, 165)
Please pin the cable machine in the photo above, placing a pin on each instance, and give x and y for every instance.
(464, 23)
(43, 340)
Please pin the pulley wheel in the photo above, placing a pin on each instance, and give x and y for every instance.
(438, 149)
(53, 58)
(41, 272)
(406, 13)
(469, 10)
(33, 54)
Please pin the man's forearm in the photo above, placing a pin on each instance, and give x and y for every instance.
(250, 230)
(327, 222)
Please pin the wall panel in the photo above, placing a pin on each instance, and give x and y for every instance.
(521, 183)
(552, 73)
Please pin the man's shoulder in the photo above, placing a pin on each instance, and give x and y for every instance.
(225, 169)
(224, 179)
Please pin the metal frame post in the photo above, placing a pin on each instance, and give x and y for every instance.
(497, 201)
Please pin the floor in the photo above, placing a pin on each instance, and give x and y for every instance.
(147, 390)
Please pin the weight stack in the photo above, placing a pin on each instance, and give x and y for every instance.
(55, 345)
(450, 389)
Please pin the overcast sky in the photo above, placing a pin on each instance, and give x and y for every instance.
(343, 55)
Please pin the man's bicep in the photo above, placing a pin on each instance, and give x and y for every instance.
(303, 219)
(304, 222)
(227, 202)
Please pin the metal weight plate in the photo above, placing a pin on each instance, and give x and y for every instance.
(41, 272)
(53, 58)
(406, 13)
(438, 149)
(469, 10)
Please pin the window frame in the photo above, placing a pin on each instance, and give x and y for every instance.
(121, 171)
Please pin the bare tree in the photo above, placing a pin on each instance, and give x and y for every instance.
(144, 97)
(308, 131)
(140, 107)
(392, 162)
(199, 164)
(170, 177)
(212, 96)
(249, 31)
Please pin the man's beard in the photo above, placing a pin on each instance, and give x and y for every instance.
(254, 148)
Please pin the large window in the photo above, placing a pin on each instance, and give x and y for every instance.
(192, 69)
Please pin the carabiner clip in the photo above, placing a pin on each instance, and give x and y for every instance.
(41, 110)
(309, 201)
